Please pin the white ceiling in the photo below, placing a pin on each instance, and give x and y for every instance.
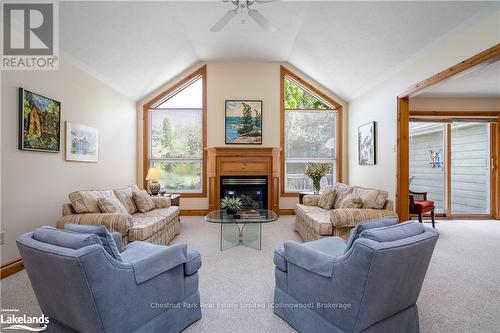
(480, 81)
(346, 46)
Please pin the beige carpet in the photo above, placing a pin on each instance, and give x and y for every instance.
(461, 292)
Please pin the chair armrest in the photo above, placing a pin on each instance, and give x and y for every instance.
(114, 222)
(351, 217)
(279, 259)
(193, 262)
(160, 259)
(311, 199)
(117, 237)
(161, 202)
(309, 258)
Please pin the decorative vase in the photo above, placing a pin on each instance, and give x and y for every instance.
(154, 187)
(316, 185)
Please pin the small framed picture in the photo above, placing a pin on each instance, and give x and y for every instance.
(82, 143)
(39, 122)
(367, 148)
(243, 122)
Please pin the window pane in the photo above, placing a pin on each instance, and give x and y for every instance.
(190, 97)
(470, 171)
(296, 97)
(310, 134)
(427, 161)
(176, 133)
(296, 180)
(180, 176)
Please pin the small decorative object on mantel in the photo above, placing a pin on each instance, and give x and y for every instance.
(153, 176)
(367, 153)
(243, 122)
(39, 122)
(316, 171)
(231, 204)
(82, 143)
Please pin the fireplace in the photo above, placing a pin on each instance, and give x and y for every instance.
(252, 190)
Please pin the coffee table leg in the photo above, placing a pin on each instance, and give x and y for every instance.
(230, 235)
(252, 235)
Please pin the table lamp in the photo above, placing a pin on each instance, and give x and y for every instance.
(153, 176)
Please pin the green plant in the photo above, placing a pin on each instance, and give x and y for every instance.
(231, 204)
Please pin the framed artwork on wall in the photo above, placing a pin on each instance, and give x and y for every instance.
(39, 122)
(82, 143)
(243, 122)
(367, 148)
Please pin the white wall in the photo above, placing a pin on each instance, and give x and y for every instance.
(454, 104)
(235, 81)
(380, 104)
(36, 184)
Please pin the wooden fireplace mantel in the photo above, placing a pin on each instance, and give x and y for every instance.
(226, 161)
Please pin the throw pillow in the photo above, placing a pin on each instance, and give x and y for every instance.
(125, 197)
(143, 201)
(327, 199)
(111, 205)
(371, 198)
(342, 191)
(86, 201)
(351, 201)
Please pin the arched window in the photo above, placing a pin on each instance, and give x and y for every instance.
(175, 130)
(311, 132)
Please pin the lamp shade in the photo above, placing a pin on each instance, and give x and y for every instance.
(154, 174)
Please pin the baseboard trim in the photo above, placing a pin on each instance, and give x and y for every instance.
(194, 212)
(287, 211)
(11, 268)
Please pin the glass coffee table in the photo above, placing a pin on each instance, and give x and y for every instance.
(244, 228)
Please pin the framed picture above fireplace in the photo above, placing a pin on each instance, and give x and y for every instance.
(243, 122)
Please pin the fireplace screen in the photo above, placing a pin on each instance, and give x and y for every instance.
(251, 190)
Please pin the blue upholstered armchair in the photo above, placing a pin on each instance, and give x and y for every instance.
(85, 281)
(368, 284)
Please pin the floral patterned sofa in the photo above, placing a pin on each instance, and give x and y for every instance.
(159, 225)
(313, 222)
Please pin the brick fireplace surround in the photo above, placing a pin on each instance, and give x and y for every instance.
(224, 161)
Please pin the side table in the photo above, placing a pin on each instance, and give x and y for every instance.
(303, 193)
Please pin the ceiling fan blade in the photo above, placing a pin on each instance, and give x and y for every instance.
(265, 1)
(261, 20)
(223, 21)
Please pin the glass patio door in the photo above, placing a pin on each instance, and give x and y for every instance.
(451, 161)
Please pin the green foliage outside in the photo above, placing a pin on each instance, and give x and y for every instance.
(298, 98)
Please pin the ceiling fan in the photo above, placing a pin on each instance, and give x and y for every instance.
(244, 10)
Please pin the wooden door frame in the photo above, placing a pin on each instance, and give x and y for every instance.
(403, 143)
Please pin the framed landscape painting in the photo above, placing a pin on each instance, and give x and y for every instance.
(243, 122)
(39, 122)
(82, 143)
(367, 153)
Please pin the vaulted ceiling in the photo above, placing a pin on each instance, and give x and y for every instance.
(346, 46)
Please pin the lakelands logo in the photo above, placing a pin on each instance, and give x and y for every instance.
(30, 36)
(16, 321)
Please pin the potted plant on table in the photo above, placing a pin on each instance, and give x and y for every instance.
(316, 171)
(231, 205)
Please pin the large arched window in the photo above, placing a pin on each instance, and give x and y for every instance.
(311, 126)
(175, 128)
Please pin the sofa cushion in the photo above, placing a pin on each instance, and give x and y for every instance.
(86, 201)
(342, 191)
(107, 240)
(316, 218)
(111, 205)
(350, 201)
(371, 198)
(147, 224)
(394, 233)
(371, 224)
(65, 238)
(125, 197)
(327, 199)
(143, 201)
